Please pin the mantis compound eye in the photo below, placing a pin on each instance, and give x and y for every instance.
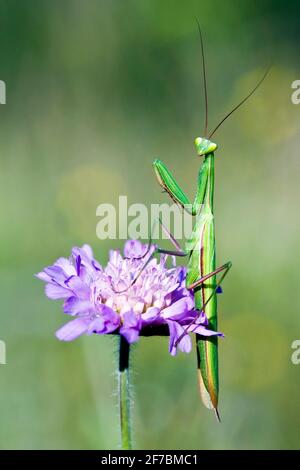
(204, 146)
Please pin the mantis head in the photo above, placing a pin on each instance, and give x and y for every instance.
(204, 146)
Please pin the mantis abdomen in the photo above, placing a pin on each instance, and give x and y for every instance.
(202, 262)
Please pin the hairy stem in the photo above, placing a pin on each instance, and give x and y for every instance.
(124, 394)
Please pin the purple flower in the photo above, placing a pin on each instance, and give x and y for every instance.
(132, 293)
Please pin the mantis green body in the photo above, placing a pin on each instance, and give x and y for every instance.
(201, 274)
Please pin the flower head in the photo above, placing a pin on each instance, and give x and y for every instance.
(131, 295)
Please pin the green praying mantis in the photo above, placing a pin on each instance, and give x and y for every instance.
(201, 248)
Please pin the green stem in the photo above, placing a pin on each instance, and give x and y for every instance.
(124, 394)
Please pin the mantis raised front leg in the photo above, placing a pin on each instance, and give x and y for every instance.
(202, 262)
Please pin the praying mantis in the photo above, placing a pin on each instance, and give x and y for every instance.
(201, 248)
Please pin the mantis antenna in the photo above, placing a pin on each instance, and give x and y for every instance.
(241, 102)
(204, 79)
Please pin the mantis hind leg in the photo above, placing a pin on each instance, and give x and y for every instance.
(225, 267)
(200, 282)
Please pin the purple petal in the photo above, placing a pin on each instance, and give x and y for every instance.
(201, 318)
(73, 329)
(66, 265)
(131, 326)
(56, 273)
(181, 275)
(151, 314)
(109, 314)
(96, 265)
(176, 311)
(130, 319)
(53, 291)
(43, 276)
(59, 271)
(202, 330)
(176, 330)
(97, 326)
(115, 259)
(74, 306)
(130, 334)
(79, 288)
(178, 293)
(78, 264)
(110, 327)
(134, 249)
(87, 259)
(111, 318)
(88, 250)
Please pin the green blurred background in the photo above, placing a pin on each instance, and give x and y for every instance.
(95, 91)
